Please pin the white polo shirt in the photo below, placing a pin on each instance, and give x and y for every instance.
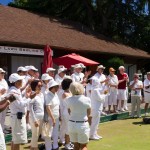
(146, 83)
(52, 100)
(37, 107)
(96, 79)
(78, 106)
(114, 81)
(77, 77)
(20, 103)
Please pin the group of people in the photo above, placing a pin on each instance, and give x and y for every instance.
(65, 107)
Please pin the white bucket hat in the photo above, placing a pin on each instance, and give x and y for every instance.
(82, 65)
(21, 68)
(45, 76)
(31, 68)
(1, 70)
(52, 84)
(61, 70)
(100, 67)
(50, 69)
(15, 77)
(77, 66)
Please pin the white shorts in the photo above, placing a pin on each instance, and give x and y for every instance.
(79, 132)
(122, 95)
(112, 99)
(2, 140)
(19, 131)
(147, 97)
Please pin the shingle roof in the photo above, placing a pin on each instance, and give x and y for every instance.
(22, 26)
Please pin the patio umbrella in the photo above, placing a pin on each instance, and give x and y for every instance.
(71, 59)
(47, 61)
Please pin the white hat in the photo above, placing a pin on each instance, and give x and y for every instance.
(82, 65)
(50, 69)
(15, 77)
(121, 67)
(22, 69)
(1, 70)
(61, 70)
(77, 66)
(45, 76)
(52, 84)
(100, 67)
(31, 68)
(61, 66)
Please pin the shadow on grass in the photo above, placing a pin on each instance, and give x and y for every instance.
(140, 123)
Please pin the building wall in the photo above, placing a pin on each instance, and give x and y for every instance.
(17, 61)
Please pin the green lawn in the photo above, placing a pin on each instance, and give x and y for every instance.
(128, 134)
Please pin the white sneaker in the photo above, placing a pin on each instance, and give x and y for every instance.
(94, 138)
(28, 127)
(103, 113)
(100, 137)
(122, 110)
(68, 146)
(126, 109)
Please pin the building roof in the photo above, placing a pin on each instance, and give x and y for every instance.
(25, 27)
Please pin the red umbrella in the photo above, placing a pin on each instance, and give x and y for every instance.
(47, 61)
(72, 59)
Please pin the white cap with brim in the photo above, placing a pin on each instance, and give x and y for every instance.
(52, 84)
(61, 70)
(100, 67)
(50, 69)
(22, 69)
(1, 70)
(45, 76)
(15, 77)
(31, 68)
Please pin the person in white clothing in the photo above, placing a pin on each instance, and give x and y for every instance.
(36, 108)
(113, 90)
(45, 79)
(3, 105)
(78, 76)
(52, 107)
(147, 92)
(98, 98)
(3, 90)
(136, 86)
(64, 114)
(61, 74)
(51, 72)
(17, 112)
(80, 110)
(28, 79)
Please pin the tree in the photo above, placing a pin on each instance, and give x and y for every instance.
(126, 21)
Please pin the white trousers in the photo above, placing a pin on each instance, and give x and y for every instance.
(2, 140)
(48, 141)
(63, 128)
(95, 122)
(135, 100)
(36, 131)
(2, 118)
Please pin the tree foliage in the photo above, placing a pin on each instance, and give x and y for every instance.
(126, 21)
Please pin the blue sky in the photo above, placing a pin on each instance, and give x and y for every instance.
(5, 2)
